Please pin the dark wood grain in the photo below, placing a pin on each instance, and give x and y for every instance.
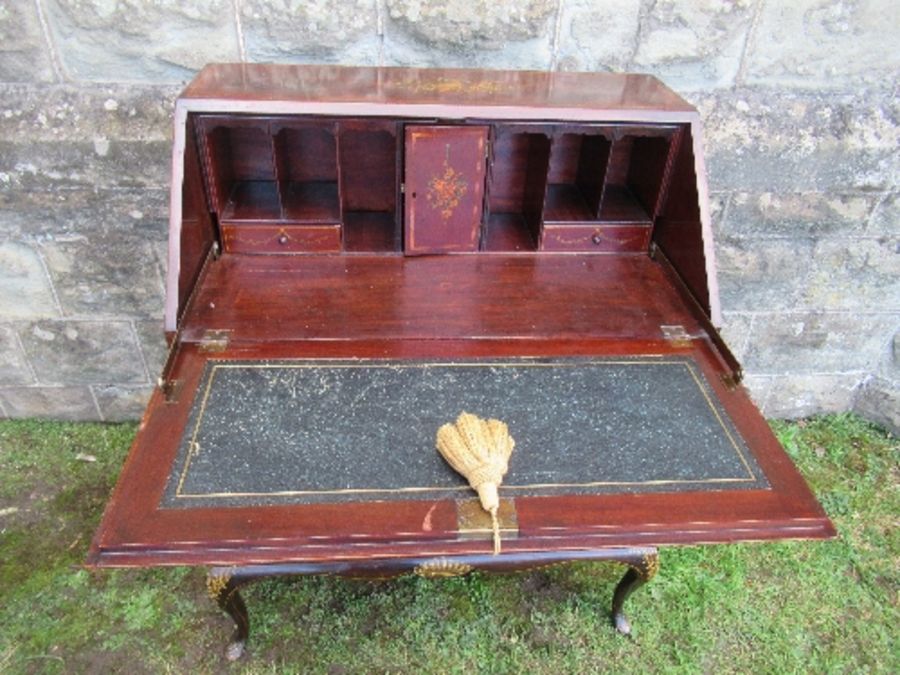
(253, 201)
(519, 168)
(649, 159)
(306, 151)
(508, 233)
(465, 296)
(311, 202)
(620, 206)
(591, 174)
(679, 231)
(368, 159)
(198, 231)
(371, 232)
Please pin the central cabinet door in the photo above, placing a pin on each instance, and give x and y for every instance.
(444, 179)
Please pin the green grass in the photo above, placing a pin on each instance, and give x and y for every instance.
(785, 607)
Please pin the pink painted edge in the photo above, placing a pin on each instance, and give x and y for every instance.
(174, 252)
(439, 110)
(709, 252)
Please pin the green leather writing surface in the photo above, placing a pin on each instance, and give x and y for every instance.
(317, 431)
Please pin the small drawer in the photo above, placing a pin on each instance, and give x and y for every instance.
(596, 239)
(246, 238)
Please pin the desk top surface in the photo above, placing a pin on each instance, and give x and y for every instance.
(486, 89)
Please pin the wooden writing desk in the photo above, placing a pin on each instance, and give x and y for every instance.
(357, 255)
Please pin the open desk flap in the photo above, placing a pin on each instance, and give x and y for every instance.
(296, 452)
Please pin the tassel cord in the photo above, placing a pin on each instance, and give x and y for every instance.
(496, 523)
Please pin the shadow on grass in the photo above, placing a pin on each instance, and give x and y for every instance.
(805, 606)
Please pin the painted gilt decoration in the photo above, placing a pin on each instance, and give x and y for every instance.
(216, 583)
(649, 567)
(446, 190)
(442, 568)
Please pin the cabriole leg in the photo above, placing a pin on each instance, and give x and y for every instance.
(222, 587)
(640, 571)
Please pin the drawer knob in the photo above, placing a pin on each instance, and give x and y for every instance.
(282, 239)
(597, 238)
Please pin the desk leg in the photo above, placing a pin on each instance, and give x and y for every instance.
(222, 585)
(640, 571)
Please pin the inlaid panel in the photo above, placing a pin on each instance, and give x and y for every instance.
(444, 179)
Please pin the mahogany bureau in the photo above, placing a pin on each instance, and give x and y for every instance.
(357, 255)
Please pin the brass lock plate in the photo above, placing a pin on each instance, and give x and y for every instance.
(473, 522)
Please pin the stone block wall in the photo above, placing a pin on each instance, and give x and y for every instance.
(800, 102)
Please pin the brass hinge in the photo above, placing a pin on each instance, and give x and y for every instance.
(732, 379)
(677, 336)
(473, 522)
(171, 389)
(214, 340)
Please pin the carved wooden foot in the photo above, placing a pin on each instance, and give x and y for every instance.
(223, 588)
(640, 571)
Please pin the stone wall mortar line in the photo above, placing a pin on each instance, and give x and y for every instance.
(809, 373)
(98, 317)
(55, 62)
(887, 379)
(882, 198)
(763, 403)
(84, 188)
(745, 343)
(82, 85)
(879, 193)
(643, 14)
(239, 29)
(851, 94)
(835, 312)
(379, 30)
(557, 29)
(51, 385)
(140, 348)
(812, 238)
(95, 318)
(722, 225)
(96, 403)
(27, 359)
(46, 268)
(179, 83)
(749, 40)
(858, 391)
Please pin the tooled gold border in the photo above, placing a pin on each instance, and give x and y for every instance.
(319, 363)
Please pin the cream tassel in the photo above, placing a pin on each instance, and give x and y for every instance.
(479, 450)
